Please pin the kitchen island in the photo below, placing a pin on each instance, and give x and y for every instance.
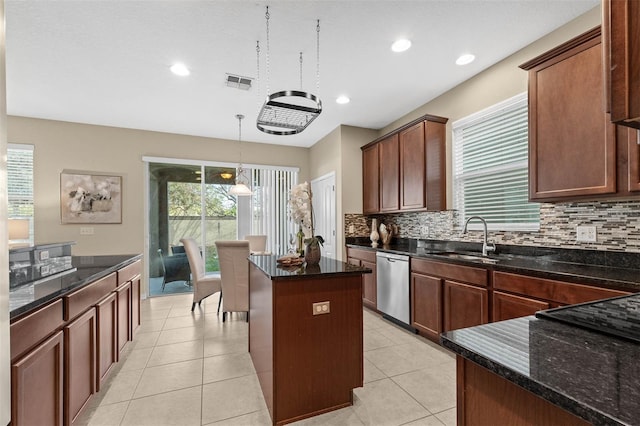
(540, 371)
(305, 335)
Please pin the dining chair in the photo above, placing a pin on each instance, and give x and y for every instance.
(204, 284)
(257, 243)
(234, 272)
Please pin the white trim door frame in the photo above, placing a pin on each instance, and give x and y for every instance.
(324, 206)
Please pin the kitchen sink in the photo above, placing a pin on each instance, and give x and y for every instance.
(464, 256)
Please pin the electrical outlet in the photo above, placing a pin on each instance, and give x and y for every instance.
(352, 229)
(586, 234)
(86, 230)
(424, 230)
(320, 308)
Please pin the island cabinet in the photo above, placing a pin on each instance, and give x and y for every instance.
(447, 296)
(516, 295)
(621, 40)
(566, 117)
(367, 259)
(405, 169)
(305, 336)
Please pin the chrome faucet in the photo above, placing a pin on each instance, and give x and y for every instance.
(486, 247)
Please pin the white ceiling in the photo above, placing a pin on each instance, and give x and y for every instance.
(107, 62)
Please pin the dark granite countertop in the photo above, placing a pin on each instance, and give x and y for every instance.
(86, 269)
(327, 266)
(617, 270)
(589, 374)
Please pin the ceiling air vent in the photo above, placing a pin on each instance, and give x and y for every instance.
(239, 82)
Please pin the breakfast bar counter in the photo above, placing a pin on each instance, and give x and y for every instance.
(305, 335)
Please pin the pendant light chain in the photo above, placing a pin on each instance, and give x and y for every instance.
(258, 66)
(267, 56)
(318, 58)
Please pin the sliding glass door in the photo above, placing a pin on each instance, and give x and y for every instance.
(188, 199)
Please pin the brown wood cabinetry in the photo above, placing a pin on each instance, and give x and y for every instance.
(426, 309)
(484, 398)
(412, 167)
(366, 258)
(446, 296)
(37, 384)
(621, 40)
(62, 352)
(370, 180)
(79, 364)
(633, 159)
(507, 306)
(389, 174)
(572, 145)
(106, 337)
(464, 305)
(307, 364)
(553, 291)
(407, 168)
(123, 295)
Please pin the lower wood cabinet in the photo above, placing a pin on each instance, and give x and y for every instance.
(464, 305)
(79, 364)
(123, 294)
(366, 258)
(37, 385)
(507, 306)
(106, 337)
(135, 306)
(62, 352)
(426, 309)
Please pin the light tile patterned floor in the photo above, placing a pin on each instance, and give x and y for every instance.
(189, 368)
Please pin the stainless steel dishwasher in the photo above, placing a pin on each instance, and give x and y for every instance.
(393, 286)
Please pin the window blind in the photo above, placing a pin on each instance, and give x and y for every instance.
(270, 216)
(20, 183)
(491, 167)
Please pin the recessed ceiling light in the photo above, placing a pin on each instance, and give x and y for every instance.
(180, 69)
(465, 59)
(343, 99)
(401, 45)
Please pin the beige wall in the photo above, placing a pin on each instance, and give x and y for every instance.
(61, 145)
(5, 371)
(339, 152)
(495, 84)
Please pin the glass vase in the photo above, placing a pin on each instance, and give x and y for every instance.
(312, 253)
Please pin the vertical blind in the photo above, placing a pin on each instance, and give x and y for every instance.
(270, 215)
(491, 166)
(20, 183)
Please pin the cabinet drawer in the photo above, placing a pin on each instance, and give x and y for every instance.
(79, 301)
(28, 331)
(551, 290)
(368, 255)
(468, 274)
(129, 272)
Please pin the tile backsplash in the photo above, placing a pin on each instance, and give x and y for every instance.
(617, 225)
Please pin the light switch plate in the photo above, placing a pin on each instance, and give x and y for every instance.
(86, 230)
(586, 234)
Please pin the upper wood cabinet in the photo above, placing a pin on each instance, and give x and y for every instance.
(572, 146)
(405, 170)
(621, 41)
(389, 173)
(370, 180)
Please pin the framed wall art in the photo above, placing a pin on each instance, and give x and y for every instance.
(90, 198)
